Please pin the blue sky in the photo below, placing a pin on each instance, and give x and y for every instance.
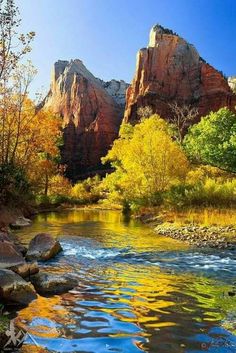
(106, 34)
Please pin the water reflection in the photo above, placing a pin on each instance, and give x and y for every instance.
(126, 300)
(106, 227)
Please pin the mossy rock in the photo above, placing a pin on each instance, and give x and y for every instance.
(4, 323)
(4, 326)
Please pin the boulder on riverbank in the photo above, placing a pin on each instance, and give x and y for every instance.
(5, 237)
(47, 284)
(19, 248)
(9, 256)
(14, 289)
(20, 222)
(43, 247)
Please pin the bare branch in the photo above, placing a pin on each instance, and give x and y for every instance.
(144, 112)
(182, 116)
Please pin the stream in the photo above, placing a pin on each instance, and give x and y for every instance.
(137, 291)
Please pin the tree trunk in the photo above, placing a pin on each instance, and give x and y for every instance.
(46, 184)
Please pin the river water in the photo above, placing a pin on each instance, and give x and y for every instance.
(137, 291)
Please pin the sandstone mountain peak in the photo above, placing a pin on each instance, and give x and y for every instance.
(59, 67)
(171, 70)
(156, 33)
(67, 69)
(64, 69)
(92, 112)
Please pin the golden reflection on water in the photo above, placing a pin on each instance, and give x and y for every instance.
(125, 299)
(100, 224)
(154, 300)
(48, 308)
(31, 348)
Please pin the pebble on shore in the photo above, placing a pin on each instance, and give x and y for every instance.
(201, 236)
(218, 237)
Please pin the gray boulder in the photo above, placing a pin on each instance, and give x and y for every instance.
(43, 247)
(14, 289)
(9, 256)
(15, 243)
(47, 284)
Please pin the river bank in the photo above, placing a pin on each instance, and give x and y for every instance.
(207, 227)
(203, 228)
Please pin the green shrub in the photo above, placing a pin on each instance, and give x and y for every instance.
(213, 140)
(58, 199)
(209, 192)
(52, 200)
(213, 193)
(42, 200)
(155, 199)
(177, 195)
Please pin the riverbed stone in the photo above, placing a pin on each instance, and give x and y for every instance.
(4, 236)
(212, 236)
(43, 247)
(46, 283)
(9, 256)
(20, 248)
(25, 269)
(14, 289)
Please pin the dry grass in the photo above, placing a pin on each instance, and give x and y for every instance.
(204, 217)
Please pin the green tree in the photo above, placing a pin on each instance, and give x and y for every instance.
(213, 140)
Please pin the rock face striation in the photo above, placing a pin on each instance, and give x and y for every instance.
(92, 112)
(232, 83)
(171, 70)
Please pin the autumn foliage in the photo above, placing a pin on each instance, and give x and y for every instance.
(146, 160)
(29, 137)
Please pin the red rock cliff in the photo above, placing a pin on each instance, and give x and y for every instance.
(170, 69)
(91, 116)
